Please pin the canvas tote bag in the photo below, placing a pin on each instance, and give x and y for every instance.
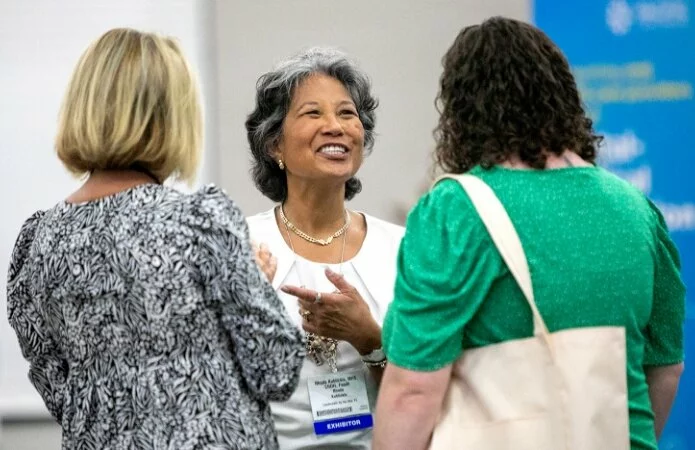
(565, 390)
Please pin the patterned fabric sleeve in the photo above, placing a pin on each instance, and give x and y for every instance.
(269, 347)
(47, 371)
(664, 333)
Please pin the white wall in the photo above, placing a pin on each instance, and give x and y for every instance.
(398, 42)
(40, 41)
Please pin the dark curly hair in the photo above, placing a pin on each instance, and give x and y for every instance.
(506, 90)
(274, 92)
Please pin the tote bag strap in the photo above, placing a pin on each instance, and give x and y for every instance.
(505, 238)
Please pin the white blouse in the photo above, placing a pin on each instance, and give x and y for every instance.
(372, 272)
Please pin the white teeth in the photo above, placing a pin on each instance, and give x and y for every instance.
(335, 149)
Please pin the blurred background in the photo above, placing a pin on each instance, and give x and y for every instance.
(635, 62)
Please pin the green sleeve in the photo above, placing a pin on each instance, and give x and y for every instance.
(446, 265)
(664, 333)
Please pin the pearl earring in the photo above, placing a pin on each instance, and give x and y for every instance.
(281, 164)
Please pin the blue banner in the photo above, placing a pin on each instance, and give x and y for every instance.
(635, 65)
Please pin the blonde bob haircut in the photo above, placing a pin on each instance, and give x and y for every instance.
(132, 103)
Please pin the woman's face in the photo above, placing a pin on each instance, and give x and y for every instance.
(322, 136)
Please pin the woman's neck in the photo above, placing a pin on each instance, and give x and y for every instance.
(567, 159)
(102, 183)
(314, 211)
(120, 177)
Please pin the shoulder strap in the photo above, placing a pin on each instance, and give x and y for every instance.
(505, 237)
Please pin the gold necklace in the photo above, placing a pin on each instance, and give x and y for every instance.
(312, 239)
(320, 349)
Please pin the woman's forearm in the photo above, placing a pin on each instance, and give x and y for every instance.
(408, 407)
(663, 384)
(404, 420)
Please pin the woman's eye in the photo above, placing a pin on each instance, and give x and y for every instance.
(348, 112)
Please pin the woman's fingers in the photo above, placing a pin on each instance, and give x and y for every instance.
(265, 260)
(338, 280)
(302, 293)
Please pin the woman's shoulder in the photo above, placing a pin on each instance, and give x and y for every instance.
(23, 243)
(615, 190)
(444, 190)
(261, 219)
(446, 202)
(262, 225)
(211, 209)
(210, 196)
(386, 230)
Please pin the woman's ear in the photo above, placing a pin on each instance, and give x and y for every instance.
(276, 153)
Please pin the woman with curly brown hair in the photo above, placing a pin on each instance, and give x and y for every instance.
(598, 251)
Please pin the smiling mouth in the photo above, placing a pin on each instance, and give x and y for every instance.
(333, 150)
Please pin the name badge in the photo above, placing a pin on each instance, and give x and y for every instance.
(339, 403)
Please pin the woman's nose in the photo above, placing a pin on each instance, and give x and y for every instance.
(332, 125)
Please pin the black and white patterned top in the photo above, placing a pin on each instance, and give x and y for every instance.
(148, 324)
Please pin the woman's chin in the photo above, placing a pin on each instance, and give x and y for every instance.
(337, 177)
(338, 170)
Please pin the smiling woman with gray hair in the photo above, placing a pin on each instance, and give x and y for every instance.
(312, 125)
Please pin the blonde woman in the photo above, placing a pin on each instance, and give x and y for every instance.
(141, 310)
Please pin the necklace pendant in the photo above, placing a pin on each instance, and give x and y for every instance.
(328, 241)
